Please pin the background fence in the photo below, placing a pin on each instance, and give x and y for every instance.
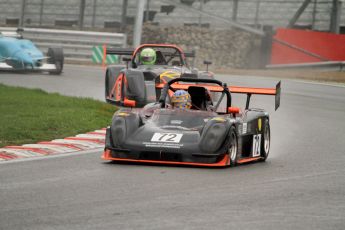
(117, 13)
(204, 25)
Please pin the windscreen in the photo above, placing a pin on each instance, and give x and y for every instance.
(181, 119)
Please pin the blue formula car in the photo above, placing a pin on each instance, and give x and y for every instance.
(22, 55)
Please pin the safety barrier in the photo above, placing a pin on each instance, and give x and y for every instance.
(315, 66)
(292, 46)
(77, 45)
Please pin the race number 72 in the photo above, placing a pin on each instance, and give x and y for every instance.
(256, 145)
(167, 137)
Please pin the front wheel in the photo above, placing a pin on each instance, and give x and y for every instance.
(110, 75)
(266, 140)
(233, 147)
(56, 57)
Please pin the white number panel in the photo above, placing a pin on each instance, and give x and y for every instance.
(256, 145)
(167, 137)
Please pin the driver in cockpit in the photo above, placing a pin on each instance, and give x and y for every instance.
(148, 56)
(181, 100)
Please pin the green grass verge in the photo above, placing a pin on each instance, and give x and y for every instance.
(28, 116)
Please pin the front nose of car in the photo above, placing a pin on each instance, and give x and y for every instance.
(24, 59)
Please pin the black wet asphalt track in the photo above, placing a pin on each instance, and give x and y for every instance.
(301, 186)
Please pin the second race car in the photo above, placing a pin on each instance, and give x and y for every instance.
(148, 65)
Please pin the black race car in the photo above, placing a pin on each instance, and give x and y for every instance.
(137, 82)
(213, 133)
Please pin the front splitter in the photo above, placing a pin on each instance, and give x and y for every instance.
(225, 161)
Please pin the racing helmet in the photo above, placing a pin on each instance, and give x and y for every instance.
(148, 56)
(181, 99)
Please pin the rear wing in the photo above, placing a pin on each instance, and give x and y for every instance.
(119, 51)
(259, 91)
(233, 89)
(130, 51)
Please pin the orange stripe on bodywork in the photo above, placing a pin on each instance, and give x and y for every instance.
(233, 89)
(264, 91)
(117, 88)
(246, 160)
(223, 162)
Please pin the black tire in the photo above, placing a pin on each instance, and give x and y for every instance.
(265, 140)
(109, 80)
(233, 146)
(56, 57)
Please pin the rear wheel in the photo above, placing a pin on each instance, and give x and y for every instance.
(56, 57)
(233, 147)
(266, 140)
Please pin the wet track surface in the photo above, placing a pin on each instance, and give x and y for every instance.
(301, 186)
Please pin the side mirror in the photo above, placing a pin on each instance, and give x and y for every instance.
(207, 63)
(233, 110)
(129, 103)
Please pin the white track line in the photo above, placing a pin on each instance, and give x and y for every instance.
(89, 141)
(19, 160)
(333, 84)
(56, 149)
(91, 136)
(100, 131)
(88, 144)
